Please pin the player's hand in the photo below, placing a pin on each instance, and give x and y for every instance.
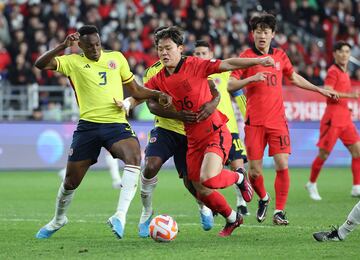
(329, 93)
(124, 105)
(356, 94)
(267, 61)
(260, 76)
(187, 116)
(205, 111)
(165, 100)
(71, 39)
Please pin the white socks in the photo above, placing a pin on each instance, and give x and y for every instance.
(63, 201)
(203, 209)
(147, 189)
(113, 168)
(232, 217)
(351, 223)
(239, 199)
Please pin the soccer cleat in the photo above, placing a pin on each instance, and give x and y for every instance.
(313, 191)
(280, 219)
(207, 221)
(45, 232)
(262, 209)
(116, 226)
(243, 210)
(144, 228)
(229, 227)
(355, 191)
(331, 235)
(245, 188)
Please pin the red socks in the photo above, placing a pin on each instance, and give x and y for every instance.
(217, 203)
(316, 168)
(258, 186)
(224, 179)
(282, 184)
(355, 168)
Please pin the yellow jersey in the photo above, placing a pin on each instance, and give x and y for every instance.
(97, 83)
(240, 100)
(166, 123)
(225, 105)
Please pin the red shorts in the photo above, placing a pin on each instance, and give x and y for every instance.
(257, 137)
(218, 142)
(329, 134)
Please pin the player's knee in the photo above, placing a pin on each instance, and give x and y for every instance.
(151, 169)
(254, 172)
(132, 158)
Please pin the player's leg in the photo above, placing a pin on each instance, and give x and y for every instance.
(351, 140)
(352, 221)
(123, 144)
(316, 166)
(237, 159)
(84, 151)
(159, 149)
(113, 166)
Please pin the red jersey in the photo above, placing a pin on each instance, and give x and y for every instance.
(337, 111)
(264, 98)
(189, 88)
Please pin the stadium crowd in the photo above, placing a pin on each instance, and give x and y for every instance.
(307, 31)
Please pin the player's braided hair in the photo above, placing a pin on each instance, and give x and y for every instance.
(87, 29)
(263, 21)
(174, 33)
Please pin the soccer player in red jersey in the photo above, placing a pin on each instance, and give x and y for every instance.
(336, 122)
(265, 121)
(209, 140)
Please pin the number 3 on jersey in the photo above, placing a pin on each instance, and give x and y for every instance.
(103, 78)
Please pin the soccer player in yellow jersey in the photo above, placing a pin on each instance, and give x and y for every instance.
(237, 155)
(98, 78)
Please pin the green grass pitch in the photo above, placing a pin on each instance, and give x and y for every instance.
(27, 203)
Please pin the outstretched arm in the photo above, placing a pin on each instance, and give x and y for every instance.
(303, 83)
(236, 84)
(344, 94)
(243, 63)
(47, 60)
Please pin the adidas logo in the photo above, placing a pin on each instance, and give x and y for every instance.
(87, 66)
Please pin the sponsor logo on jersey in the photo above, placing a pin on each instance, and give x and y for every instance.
(277, 65)
(112, 64)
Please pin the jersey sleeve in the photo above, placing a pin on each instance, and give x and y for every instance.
(238, 73)
(331, 78)
(64, 64)
(207, 67)
(288, 68)
(125, 72)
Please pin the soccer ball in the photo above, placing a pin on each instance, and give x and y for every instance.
(163, 228)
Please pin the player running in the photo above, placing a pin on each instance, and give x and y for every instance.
(97, 77)
(336, 122)
(237, 155)
(209, 141)
(265, 121)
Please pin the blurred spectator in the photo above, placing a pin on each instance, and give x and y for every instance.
(21, 73)
(37, 115)
(4, 29)
(5, 61)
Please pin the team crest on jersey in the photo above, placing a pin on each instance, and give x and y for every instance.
(112, 64)
(152, 140)
(277, 65)
(213, 60)
(71, 151)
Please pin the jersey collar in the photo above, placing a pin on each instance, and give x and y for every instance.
(259, 53)
(340, 68)
(177, 68)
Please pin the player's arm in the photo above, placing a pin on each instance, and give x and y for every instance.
(209, 107)
(299, 81)
(243, 63)
(47, 60)
(138, 92)
(235, 84)
(344, 94)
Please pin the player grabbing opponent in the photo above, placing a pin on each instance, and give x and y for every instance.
(209, 141)
(265, 121)
(97, 77)
(336, 122)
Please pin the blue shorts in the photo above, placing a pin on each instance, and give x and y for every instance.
(165, 144)
(237, 150)
(89, 137)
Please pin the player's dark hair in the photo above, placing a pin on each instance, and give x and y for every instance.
(174, 33)
(87, 29)
(338, 45)
(160, 28)
(263, 21)
(202, 43)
